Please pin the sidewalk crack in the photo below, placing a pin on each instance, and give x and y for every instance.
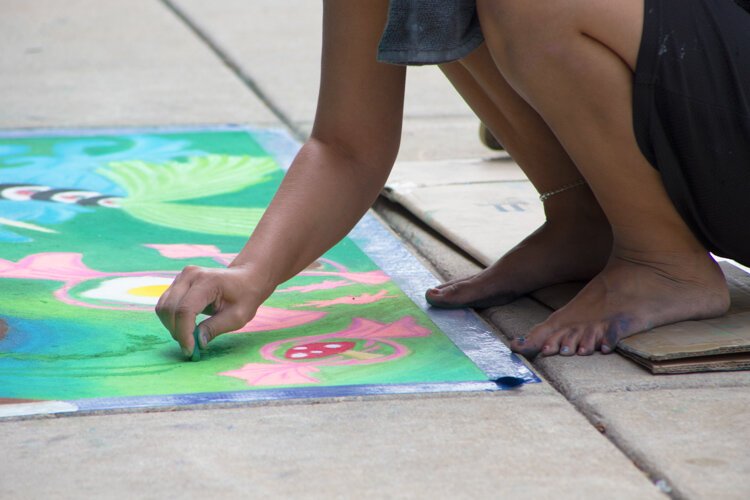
(246, 79)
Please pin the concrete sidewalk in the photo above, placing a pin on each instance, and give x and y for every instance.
(600, 427)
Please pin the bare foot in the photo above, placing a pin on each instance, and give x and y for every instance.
(631, 295)
(572, 248)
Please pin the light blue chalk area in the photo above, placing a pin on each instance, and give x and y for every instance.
(74, 163)
(23, 348)
(40, 213)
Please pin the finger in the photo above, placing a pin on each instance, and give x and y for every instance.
(228, 320)
(161, 310)
(193, 302)
(167, 305)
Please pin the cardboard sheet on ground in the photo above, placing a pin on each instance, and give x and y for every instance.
(716, 344)
(485, 207)
(94, 225)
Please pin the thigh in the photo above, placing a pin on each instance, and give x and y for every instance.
(616, 24)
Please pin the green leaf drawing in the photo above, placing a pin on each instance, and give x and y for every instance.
(153, 187)
(199, 177)
(229, 221)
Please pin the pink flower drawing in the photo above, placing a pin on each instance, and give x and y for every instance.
(365, 298)
(134, 291)
(295, 361)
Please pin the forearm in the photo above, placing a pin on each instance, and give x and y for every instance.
(331, 183)
(326, 191)
(339, 172)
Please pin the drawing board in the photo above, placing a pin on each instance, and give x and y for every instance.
(94, 226)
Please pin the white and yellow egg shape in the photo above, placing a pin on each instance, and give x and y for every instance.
(140, 290)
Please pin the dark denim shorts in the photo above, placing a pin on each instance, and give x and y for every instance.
(429, 31)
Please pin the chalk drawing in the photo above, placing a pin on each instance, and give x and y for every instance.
(95, 228)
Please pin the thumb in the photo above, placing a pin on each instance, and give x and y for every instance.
(227, 320)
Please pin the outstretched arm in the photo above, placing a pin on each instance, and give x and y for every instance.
(334, 179)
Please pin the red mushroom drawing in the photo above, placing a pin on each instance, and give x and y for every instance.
(294, 361)
(320, 350)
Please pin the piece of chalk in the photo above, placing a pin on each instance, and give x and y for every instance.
(197, 349)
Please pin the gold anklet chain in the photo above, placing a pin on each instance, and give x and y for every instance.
(545, 196)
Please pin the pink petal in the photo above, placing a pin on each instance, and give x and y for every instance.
(54, 266)
(370, 278)
(368, 329)
(258, 374)
(366, 298)
(326, 285)
(186, 251)
(272, 318)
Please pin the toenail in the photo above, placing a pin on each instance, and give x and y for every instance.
(606, 349)
(581, 351)
(521, 340)
(565, 350)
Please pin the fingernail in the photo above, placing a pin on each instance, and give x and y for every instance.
(203, 341)
(565, 350)
(606, 349)
(186, 352)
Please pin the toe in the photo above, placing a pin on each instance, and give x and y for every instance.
(553, 342)
(587, 344)
(449, 294)
(446, 284)
(570, 341)
(614, 329)
(531, 344)
(467, 292)
(606, 348)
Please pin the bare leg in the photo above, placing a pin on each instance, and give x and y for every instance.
(575, 241)
(573, 60)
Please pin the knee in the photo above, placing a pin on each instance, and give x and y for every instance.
(520, 33)
(514, 21)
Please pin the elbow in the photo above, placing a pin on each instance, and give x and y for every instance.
(370, 148)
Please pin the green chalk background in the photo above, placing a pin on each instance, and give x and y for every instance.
(57, 351)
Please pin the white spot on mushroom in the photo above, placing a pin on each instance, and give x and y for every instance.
(299, 355)
(333, 346)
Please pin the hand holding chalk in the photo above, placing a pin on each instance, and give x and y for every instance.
(230, 297)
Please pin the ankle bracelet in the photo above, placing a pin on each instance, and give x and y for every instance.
(545, 196)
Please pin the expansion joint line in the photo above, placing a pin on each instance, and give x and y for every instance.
(248, 81)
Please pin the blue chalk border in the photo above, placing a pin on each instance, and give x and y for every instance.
(464, 327)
